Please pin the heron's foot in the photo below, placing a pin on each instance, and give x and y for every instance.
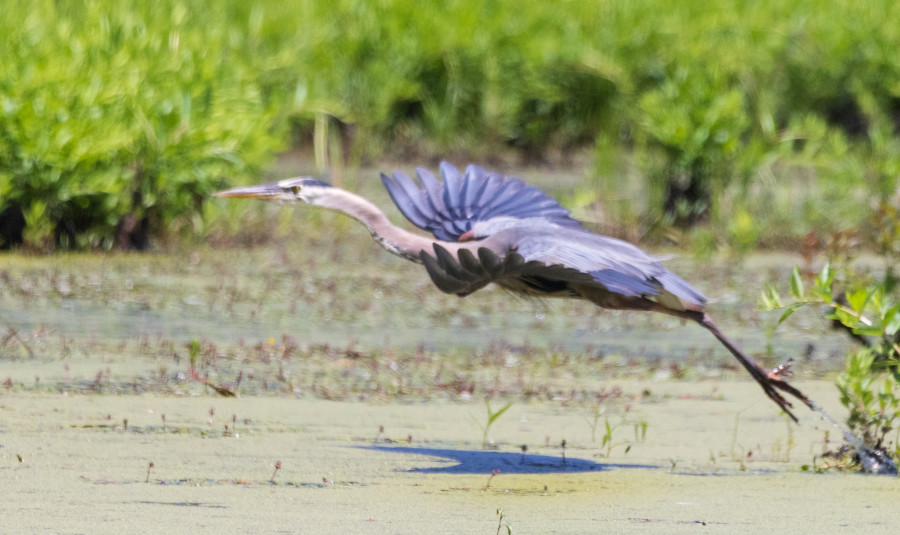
(782, 371)
(772, 383)
(770, 387)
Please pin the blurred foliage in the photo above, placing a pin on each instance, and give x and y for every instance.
(118, 116)
(868, 310)
(118, 120)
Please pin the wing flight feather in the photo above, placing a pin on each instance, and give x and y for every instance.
(450, 208)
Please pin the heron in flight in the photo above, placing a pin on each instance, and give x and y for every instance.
(489, 228)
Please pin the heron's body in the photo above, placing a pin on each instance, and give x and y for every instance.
(489, 228)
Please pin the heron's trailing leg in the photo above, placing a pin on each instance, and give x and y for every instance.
(771, 382)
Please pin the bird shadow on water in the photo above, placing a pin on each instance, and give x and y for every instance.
(480, 462)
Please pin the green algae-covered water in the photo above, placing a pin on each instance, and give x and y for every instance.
(325, 346)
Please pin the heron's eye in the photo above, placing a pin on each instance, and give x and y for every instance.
(295, 189)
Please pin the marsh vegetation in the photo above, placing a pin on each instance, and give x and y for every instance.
(746, 139)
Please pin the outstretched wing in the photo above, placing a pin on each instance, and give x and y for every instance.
(556, 263)
(450, 208)
(618, 266)
(468, 272)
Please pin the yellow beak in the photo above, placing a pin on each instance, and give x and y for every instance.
(265, 192)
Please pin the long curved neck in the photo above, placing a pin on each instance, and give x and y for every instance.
(393, 238)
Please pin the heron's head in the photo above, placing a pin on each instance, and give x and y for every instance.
(304, 189)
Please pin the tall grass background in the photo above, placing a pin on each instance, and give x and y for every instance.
(725, 126)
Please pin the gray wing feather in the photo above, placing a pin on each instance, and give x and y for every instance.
(450, 208)
(623, 284)
(432, 193)
(453, 184)
(406, 196)
(451, 276)
(548, 260)
(467, 274)
(619, 266)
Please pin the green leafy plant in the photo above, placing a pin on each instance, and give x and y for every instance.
(492, 417)
(869, 311)
(874, 411)
(640, 430)
(697, 120)
(640, 433)
(117, 120)
(194, 349)
(594, 420)
(503, 522)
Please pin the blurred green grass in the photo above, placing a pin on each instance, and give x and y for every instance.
(722, 126)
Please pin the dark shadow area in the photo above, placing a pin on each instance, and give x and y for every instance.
(12, 226)
(483, 462)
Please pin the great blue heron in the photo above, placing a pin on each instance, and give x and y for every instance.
(491, 228)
